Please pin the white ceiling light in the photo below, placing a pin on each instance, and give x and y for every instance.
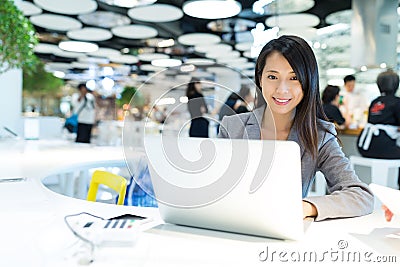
(270, 7)
(70, 7)
(90, 34)
(128, 3)
(333, 28)
(45, 48)
(213, 48)
(292, 21)
(184, 99)
(105, 52)
(340, 71)
(56, 22)
(165, 101)
(188, 68)
(212, 9)
(75, 46)
(135, 31)
(156, 13)
(152, 56)
(107, 83)
(59, 74)
(28, 8)
(91, 84)
(337, 82)
(198, 39)
(166, 62)
(124, 59)
(200, 61)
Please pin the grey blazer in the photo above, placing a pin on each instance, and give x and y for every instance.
(348, 196)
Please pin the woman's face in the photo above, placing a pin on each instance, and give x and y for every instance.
(197, 86)
(280, 87)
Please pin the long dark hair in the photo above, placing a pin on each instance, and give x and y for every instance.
(329, 94)
(191, 88)
(302, 59)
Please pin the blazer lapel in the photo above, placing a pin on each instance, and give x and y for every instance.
(253, 125)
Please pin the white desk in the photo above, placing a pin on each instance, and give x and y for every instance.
(33, 233)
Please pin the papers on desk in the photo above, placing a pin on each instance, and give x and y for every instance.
(389, 197)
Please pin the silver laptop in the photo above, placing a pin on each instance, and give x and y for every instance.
(243, 186)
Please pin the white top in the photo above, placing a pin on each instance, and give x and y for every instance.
(88, 113)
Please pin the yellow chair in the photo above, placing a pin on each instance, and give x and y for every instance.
(113, 181)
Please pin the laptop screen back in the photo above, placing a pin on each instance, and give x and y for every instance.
(243, 186)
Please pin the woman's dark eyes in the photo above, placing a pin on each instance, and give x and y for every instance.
(273, 77)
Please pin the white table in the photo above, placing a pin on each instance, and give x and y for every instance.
(33, 233)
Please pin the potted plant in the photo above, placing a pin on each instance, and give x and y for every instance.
(17, 39)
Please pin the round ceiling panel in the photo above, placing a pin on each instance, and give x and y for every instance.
(105, 52)
(104, 19)
(343, 16)
(152, 56)
(27, 8)
(283, 7)
(128, 3)
(156, 13)
(231, 25)
(45, 48)
(124, 59)
(56, 22)
(70, 7)
(90, 34)
(198, 39)
(134, 32)
(293, 21)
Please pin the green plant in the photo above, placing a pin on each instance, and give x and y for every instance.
(131, 95)
(17, 39)
(40, 82)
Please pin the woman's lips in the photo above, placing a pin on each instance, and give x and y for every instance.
(281, 101)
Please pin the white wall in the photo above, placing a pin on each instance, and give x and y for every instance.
(11, 101)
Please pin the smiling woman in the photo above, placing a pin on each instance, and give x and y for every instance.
(289, 108)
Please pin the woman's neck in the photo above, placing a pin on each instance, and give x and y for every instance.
(276, 126)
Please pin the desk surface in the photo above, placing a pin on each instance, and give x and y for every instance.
(347, 131)
(33, 233)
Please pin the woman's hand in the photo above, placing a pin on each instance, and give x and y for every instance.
(309, 210)
(388, 213)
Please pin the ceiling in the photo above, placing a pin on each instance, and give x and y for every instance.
(129, 51)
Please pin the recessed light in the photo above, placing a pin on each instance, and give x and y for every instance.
(75, 46)
(212, 9)
(166, 62)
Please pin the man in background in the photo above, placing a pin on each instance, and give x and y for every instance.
(83, 104)
(353, 104)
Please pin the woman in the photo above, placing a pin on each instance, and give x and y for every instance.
(245, 98)
(197, 107)
(330, 100)
(380, 137)
(289, 108)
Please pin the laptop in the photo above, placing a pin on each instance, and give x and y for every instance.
(243, 186)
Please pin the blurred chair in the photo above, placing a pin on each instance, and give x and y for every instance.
(379, 169)
(113, 181)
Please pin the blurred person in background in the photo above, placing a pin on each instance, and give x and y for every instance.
(197, 108)
(380, 137)
(353, 104)
(245, 101)
(84, 102)
(330, 100)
